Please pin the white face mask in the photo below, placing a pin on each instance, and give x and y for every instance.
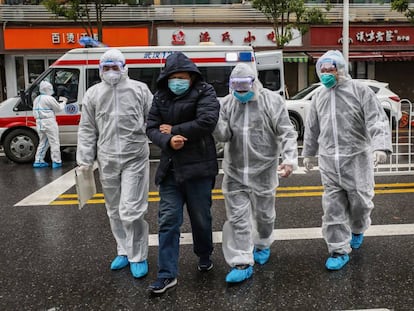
(111, 76)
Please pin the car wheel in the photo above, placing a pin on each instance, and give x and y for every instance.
(20, 145)
(297, 124)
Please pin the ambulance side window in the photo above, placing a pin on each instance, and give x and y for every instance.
(92, 77)
(218, 77)
(147, 75)
(65, 83)
(270, 79)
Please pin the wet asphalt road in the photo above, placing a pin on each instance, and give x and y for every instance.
(56, 257)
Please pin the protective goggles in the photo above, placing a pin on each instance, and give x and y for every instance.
(241, 84)
(327, 65)
(110, 64)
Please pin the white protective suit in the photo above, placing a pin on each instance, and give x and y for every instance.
(45, 107)
(345, 124)
(255, 133)
(112, 129)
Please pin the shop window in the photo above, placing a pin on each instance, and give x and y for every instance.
(358, 70)
(19, 62)
(35, 67)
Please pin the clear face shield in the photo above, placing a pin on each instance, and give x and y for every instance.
(327, 66)
(111, 65)
(241, 84)
(327, 72)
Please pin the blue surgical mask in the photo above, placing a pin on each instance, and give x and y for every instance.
(243, 97)
(328, 80)
(178, 86)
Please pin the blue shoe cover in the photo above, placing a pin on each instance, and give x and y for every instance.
(261, 256)
(40, 164)
(337, 262)
(357, 240)
(239, 275)
(56, 165)
(119, 262)
(139, 269)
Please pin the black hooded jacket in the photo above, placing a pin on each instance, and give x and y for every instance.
(193, 115)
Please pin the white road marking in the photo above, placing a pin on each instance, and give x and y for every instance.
(303, 233)
(49, 193)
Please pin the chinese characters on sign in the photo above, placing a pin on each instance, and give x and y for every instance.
(69, 37)
(381, 36)
(378, 36)
(157, 55)
(226, 37)
(177, 37)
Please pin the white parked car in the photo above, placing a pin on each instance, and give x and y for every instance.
(298, 104)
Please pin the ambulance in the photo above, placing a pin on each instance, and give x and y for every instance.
(78, 69)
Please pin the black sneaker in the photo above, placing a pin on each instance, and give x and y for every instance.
(162, 284)
(205, 264)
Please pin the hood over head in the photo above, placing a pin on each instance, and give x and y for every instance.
(177, 62)
(46, 88)
(336, 59)
(243, 70)
(113, 57)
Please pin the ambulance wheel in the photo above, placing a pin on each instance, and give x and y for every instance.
(297, 124)
(20, 145)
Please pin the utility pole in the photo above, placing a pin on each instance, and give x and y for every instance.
(345, 33)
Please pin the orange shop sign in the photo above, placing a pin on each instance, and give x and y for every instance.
(68, 38)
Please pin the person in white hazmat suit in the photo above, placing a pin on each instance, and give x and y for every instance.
(112, 130)
(349, 129)
(255, 126)
(45, 107)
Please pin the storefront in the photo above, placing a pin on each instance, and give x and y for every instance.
(380, 52)
(260, 37)
(29, 51)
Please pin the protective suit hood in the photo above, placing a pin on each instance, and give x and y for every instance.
(177, 62)
(242, 71)
(46, 88)
(113, 57)
(336, 58)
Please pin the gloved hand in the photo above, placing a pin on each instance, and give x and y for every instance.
(307, 163)
(380, 157)
(284, 170)
(63, 100)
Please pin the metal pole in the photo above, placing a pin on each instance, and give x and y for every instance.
(345, 33)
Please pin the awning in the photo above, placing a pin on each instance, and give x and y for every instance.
(372, 56)
(295, 57)
(398, 56)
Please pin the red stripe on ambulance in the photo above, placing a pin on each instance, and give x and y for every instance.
(84, 62)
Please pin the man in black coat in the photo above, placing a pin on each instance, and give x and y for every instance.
(182, 118)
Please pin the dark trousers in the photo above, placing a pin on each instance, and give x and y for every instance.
(196, 195)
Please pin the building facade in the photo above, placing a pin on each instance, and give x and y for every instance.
(381, 41)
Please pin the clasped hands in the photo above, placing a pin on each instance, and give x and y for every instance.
(177, 141)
